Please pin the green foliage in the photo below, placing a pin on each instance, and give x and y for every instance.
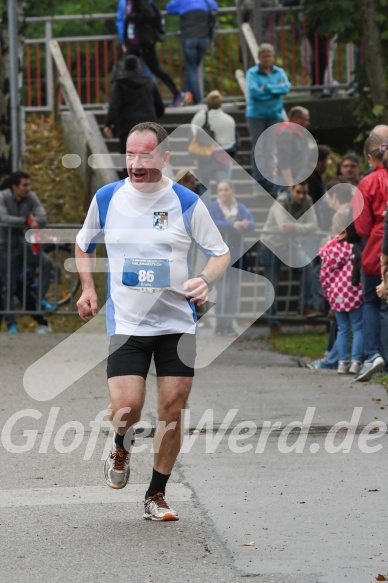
(341, 17)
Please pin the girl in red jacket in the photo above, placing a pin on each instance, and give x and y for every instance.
(370, 225)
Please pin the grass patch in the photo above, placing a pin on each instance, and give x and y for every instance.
(311, 344)
(381, 380)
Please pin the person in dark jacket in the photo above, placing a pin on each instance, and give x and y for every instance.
(139, 25)
(134, 99)
(196, 21)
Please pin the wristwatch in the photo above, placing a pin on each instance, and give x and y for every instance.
(207, 280)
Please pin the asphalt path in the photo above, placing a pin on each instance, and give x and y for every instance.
(257, 498)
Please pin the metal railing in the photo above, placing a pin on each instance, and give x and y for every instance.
(23, 280)
(35, 274)
(91, 59)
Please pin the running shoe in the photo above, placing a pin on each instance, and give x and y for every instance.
(13, 329)
(355, 367)
(116, 467)
(189, 99)
(179, 99)
(156, 508)
(370, 366)
(343, 367)
(43, 329)
(48, 307)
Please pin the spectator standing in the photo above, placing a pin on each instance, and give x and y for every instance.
(266, 84)
(349, 168)
(197, 22)
(338, 200)
(20, 210)
(317, 189)
(218, 166)
(233, 220)
(292, 147)
(345, 298)
(138, 24)
(282, 236)
(134, 99)
(370, 224)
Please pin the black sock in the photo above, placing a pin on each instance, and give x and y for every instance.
(158, 483)
(126, 441)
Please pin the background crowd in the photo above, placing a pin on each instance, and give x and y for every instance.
(341, 279)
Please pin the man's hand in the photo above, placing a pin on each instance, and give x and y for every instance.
(287, 227)
(107, 133)
(87, 304)
(239, 225)
(197, 290)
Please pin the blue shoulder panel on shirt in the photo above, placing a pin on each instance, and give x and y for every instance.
(104, 196)
(188, 200)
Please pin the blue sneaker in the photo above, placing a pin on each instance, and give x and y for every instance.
(179, 99)
(47, 307)
(13, 329)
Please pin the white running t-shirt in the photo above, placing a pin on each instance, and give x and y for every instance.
(148, 238)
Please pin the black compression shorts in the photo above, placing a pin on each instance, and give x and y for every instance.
(131, 355)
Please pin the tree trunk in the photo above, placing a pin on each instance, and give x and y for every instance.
(5, 77)
(375, 58)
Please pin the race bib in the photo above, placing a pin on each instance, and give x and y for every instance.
(146, 274)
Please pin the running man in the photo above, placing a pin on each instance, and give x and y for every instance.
(148, 224)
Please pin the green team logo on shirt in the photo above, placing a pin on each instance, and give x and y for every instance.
(160, 220)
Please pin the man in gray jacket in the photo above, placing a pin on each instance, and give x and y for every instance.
(288, 240)
(20, 210)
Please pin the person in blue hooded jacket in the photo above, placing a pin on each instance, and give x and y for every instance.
(266, 84)
(196, 22)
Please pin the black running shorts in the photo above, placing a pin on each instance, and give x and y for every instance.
(131, 355)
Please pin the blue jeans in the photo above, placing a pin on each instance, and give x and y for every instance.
(347, 321)
(375, 319)
(265, 152)
(193, 52)
(331, 360)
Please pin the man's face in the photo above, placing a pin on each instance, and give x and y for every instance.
(267, 58)
(299, 193)
(350, 170)
(21, 190)
(303, 120)
(144, 162)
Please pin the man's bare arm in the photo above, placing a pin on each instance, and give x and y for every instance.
(86, 263)
(197, 288)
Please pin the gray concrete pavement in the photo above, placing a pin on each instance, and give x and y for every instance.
(250, 505)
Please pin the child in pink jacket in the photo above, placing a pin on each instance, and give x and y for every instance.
(345, 299)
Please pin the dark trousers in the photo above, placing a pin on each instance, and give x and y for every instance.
(149, 56)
